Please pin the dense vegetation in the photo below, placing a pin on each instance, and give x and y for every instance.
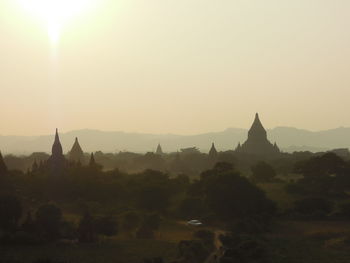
(253, 210)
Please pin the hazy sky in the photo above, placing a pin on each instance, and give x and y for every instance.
(177, 66)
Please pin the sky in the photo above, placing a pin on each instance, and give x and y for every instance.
(174, 66)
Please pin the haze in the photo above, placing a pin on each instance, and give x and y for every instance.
(184, 66)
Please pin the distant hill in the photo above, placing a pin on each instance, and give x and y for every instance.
(289, 139)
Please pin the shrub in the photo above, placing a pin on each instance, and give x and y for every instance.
(318, 207)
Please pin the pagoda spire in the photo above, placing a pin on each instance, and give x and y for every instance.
(257, 131)
(57, 147)
(92, 160)
(57, 160)
(3, 167)
(213, 153)
(159, 150)
(76, 154)
(257, 142)
(35, 166)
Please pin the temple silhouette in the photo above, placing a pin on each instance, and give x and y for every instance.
(257, 142)
(76, 154)
(159, 150)
(57, 162)
(213, 153)
(3, 167)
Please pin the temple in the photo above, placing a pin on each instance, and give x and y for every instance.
(213, 153)
(76, 154)
(92, 161)
(159, 150)
(3, 167)
(57, 161)
(257, 142)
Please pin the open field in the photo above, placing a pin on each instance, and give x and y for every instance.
(113, 251)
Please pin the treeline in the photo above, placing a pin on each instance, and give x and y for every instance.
(190, 162)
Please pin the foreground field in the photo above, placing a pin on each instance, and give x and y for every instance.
(113, 251)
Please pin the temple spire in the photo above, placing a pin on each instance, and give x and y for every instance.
(213, 153)
(257, 142)
(257, 132)
(57, 147)
(57, 160)
(3, 167)
(92, 160)
(35, 166)
(76, 154)
(159, 150)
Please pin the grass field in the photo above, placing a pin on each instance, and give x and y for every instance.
(112, 251)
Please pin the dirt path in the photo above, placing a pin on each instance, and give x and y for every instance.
(215, 256)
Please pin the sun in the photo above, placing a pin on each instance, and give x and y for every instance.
(56, 13)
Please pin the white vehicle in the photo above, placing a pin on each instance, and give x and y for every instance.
(194, 223)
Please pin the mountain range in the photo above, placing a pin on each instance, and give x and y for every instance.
(287, 138)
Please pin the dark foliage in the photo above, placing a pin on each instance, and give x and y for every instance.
(10, 212)
(262, 172)
(49, 220)
(314, 206)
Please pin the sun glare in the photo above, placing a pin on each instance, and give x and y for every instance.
(56, 13)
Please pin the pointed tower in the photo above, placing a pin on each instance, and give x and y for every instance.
(35, 166)
(239, 147)
(213, 153)
(159, 150)
(76, 154)
(92, 162)
(57, 147)
(57, 160)
(3, 167)
(257, 142)
(257, 132)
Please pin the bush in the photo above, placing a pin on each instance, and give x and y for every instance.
(318, 207)
(263, 172)
(193, 251)
(244, 249)
(345, 210)
(207, 238)
(21, 238)
(87, 229)
(106, 226)
(10, 212)
(131, 221)
(151, 223)
(49, 220)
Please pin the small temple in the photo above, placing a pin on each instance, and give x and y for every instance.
(57, 161)
(3, 167)
(213, 153)
(257, 142)
(159, 150)
(76, 154)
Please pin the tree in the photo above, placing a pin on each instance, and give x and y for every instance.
(327, 174)
(153, 198)
(324, 165)
(207, 238)
(232, 196)
(244, 249)
(131, 221)
(106, 226)
(192, 251)
(49, 220)
(263, 172)
(29, 225)
(87, 229)
(10, 212)
(191, 208)
(150, 224)
(314, 206)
